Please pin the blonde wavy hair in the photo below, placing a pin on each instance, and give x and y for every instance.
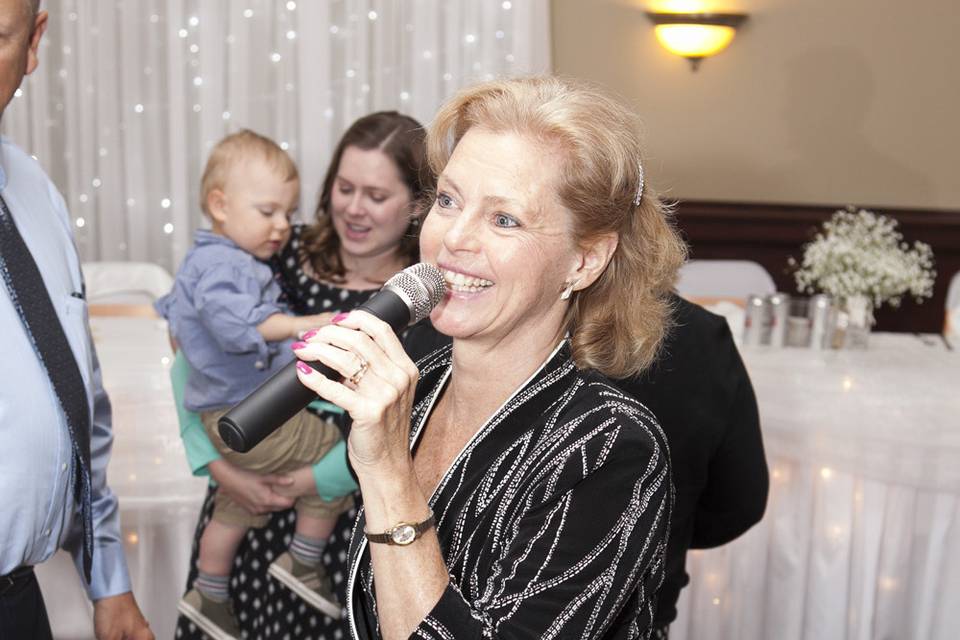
(617, 323)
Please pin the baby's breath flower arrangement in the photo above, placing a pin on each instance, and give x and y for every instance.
(859, 253)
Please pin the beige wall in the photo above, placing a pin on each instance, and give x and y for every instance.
(815, 102)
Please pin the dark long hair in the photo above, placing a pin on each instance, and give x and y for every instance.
(402, 139)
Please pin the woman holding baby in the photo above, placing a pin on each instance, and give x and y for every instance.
(365, 230)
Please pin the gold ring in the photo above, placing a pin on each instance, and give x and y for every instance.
(359, 373)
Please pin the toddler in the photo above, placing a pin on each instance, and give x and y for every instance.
(226, 315)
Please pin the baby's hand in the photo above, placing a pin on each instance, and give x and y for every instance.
(296, 483)
(308, 323)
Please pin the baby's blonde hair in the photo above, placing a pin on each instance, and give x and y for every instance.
(618, 322)
(238, 147)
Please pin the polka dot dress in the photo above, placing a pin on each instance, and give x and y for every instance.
(303, 294)
(265, 609)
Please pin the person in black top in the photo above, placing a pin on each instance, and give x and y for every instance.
(510, 490)
(701, 394)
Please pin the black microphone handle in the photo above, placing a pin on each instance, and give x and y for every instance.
(283, 395)
(266, 409)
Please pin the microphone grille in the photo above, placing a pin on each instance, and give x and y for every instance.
(424, 285)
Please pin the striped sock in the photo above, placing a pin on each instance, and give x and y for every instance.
(214, 587)
(306, 550)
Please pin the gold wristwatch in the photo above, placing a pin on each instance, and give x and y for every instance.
(403, 533)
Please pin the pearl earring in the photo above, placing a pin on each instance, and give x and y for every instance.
(569, 290)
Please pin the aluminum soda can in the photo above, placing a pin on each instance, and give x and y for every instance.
(756, 328)
(819, 311)
(779, 310)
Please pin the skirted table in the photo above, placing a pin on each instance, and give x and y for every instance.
(159, 499)
(861, 538)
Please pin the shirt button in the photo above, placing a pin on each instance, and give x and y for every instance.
(259, 364)
(63, 467)
(47, 532)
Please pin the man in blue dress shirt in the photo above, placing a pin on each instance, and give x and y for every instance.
(40, 507)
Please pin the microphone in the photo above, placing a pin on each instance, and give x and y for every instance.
(406, 298)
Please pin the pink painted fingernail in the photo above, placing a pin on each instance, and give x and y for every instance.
(298, 345)
(309, 334)
(339, 318)
(304, 367)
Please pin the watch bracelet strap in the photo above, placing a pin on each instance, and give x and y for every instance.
(386, 537)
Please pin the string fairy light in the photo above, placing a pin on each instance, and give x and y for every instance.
(366, 84)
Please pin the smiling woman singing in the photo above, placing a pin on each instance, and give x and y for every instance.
(509, 489)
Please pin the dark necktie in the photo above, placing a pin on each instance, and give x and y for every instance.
(32, 301)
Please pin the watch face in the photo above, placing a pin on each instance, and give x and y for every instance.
(403, 534)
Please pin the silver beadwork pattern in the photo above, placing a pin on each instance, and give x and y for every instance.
(523, 493)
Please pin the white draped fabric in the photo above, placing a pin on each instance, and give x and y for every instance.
(860, 538)
(130, 96)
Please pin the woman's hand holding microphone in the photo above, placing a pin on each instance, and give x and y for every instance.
(377, 389)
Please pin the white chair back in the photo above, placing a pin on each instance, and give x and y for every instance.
(722, 286)
(730, 279)
(951, 325)
(118, 283)
(953, 293)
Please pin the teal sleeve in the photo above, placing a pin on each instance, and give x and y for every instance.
(332, 475)
(200, 451)
(321, 406)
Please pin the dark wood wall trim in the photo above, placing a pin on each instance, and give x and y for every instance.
(770, 233)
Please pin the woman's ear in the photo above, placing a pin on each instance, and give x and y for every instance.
(594, 258)
(216, 205)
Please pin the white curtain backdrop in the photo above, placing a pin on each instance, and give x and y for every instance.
(130, 96)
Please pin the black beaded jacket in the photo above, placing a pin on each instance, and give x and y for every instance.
(553, 520)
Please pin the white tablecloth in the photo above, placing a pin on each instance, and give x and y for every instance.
(159, 499)
(861, 538)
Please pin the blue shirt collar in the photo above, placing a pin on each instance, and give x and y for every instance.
(204, 237)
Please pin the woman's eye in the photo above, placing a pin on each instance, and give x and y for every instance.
(503, 220)
(378, 199)
(444, 200)
(345, 189)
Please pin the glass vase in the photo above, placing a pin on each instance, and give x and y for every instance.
(854, 321)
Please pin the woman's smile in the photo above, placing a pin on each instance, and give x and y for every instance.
(356, 232)
(463, 285)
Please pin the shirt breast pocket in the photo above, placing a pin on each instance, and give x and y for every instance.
(74, 323)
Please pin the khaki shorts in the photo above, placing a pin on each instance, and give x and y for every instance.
(301, 441)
